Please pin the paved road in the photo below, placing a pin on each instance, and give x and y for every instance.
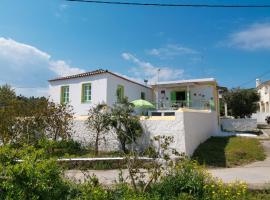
(256, 175)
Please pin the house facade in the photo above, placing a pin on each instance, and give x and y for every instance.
(100, 86)
(185, 109)
(263, 88)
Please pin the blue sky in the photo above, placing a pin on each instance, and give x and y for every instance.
(40, 40)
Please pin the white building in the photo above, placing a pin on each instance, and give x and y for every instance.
(264, 92)
(186, 109)
(100, 86)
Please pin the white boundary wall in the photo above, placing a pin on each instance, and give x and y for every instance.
(260, 117)
(199, 126)
(188, 129)
(238, 124)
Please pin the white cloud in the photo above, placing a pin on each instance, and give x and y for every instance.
(26, 66)
(256, 36)
(63, 7)
(171, 50)
(145, 70)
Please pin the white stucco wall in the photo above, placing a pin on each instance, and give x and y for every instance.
(188, 130)
(260, 117)
(131, 90)
(98, 91)
(167, 126)
(238, 124)
(103, 90)
(199, 126)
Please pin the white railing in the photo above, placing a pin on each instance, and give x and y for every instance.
(192, 104)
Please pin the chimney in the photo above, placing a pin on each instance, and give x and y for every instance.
(145, 82)
(258, 82)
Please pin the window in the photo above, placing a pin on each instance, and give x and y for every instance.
(64, 94)
(120, 93)
(143, 95)
(86, 92)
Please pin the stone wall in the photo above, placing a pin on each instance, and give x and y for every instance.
(238, 124)
(82, 134)
(188, 129)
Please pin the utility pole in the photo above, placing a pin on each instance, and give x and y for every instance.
(157, 106)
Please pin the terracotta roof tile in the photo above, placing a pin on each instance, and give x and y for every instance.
(93, 73)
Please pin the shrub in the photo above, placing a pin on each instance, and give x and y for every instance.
(32, 178)
(191, 181)
(59, 148)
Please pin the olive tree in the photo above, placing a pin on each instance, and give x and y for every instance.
(126, 125)
(98, 122)
(57, 120)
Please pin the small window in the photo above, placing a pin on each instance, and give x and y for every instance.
(86, 92)
(64, 94)
(143, 95)
(120, 93)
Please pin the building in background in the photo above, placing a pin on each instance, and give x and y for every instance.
(263, 89)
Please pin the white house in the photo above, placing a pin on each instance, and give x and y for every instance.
(263, 89)
(185, 109)
(100, 86)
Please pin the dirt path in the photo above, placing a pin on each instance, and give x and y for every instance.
(256, 175)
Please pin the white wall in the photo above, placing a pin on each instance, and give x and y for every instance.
(199, 126)
(167, 127)
(98, 87)
(188, 129)
(131, 90)
(198, 93)
(238, 124)
(103, 88)
(260, 117)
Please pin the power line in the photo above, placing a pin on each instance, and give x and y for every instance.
(175, 5)
(260, 76)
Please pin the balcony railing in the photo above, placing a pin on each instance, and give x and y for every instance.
(192, 104)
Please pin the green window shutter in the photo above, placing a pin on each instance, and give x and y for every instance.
(62, 95)
(120, 93)
(82, 94)
(86, 95)
(173, 96)
(143, 95)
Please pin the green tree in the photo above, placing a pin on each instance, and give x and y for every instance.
(98, 121)
(242, 102)
(126, 125)
(35, 177)
(56, 121)
(7, 113)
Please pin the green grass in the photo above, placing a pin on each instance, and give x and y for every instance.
(229, 151)
(90, 154)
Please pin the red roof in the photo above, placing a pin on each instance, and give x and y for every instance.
(93, 73)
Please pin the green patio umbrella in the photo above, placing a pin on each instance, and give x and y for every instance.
(143, 104)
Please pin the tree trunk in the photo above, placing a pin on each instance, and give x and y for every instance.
(96, 144)
(123, 146)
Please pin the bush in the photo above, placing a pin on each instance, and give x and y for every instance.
(189, 180)
(60, 148)
(32, 178)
